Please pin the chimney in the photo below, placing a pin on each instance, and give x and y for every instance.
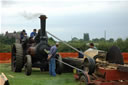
(43, 27)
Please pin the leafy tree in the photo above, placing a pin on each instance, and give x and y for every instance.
(51, 41)
(111, 40)
(5, 44)
(6, 40)
(86, 37)
(75, 39)
(120, 43)
(95, 40)
(102, 39)
(119, 40)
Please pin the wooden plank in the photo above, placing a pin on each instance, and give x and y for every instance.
(3, 79)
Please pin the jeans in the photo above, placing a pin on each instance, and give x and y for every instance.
(52, 67)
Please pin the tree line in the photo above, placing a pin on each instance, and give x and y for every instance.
(101, 44)
(6, 43)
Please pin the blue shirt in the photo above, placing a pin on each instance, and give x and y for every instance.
(32, 34)
(53, 51)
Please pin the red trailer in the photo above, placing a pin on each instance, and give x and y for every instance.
(111, 70)
(110, 75)
(105, 74)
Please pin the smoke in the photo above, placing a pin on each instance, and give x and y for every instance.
(29, 16)
(7, 2)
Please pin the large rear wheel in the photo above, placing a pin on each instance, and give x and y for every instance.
(17, 58)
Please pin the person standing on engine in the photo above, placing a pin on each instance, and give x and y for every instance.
(33, 34)
(22, 35)
(51, 58)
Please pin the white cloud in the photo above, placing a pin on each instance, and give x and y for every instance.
(52, 9)
(60, 9)
(64, 0)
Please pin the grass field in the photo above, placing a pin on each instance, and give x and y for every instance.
(37, 77)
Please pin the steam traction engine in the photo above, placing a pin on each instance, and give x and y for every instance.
(31, 52)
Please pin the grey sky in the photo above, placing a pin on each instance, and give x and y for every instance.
(68, 18)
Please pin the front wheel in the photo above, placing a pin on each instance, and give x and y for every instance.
(89, 65)
(28, 65)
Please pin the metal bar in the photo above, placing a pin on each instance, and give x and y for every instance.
(71, 66)
(70, 47)
(67, 44)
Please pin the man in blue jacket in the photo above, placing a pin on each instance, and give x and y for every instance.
(33, 34)
(51, 58)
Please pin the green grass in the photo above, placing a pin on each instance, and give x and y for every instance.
(37, 77)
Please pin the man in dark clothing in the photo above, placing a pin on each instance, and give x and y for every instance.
(33, 34)
(51, 58)
(22, 35)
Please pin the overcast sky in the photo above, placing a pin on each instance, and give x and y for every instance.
(67, 18)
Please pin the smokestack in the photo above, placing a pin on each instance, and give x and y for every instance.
(43, 27)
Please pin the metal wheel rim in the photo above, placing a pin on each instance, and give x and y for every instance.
(86, 66)
(27, 65)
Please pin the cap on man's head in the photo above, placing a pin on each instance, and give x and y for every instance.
(23, 30)
(57, 43)
(91, 44)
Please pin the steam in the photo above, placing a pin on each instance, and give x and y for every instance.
(7, 2)
(29, 16)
